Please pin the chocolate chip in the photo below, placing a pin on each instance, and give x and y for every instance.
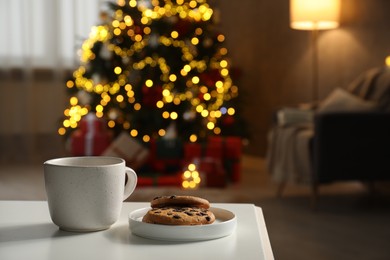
(208, 218)
(176, 217)
(172, 197)
(158, 197)
(189, 213)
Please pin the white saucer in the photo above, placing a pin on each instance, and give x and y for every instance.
(224, 225)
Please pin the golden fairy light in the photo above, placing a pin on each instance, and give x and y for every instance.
(191, 177)
(387, 61)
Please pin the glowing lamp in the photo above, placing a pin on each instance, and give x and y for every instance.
(314, 14)
(387, 61)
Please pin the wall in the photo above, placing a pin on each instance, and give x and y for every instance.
(276, 60)
(31, 104)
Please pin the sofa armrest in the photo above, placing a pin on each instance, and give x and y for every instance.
(351, 146)
(293, 116)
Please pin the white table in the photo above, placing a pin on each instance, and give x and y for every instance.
(27, 232)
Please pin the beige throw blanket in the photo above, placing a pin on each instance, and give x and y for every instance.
(288, 157)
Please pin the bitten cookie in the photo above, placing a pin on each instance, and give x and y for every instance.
(179, 201)
(179, 216)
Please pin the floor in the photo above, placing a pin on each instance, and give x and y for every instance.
(349, 223)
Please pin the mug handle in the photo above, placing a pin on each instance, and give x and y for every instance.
(131, 182)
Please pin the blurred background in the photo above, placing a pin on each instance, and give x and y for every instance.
(41, 40)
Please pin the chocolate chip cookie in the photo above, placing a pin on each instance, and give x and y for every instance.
(179, 216)
(179, 201)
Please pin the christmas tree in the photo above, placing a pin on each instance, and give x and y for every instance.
(155, 65)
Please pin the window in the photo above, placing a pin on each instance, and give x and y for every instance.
(45, 33)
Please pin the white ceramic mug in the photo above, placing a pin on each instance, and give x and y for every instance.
(86, 193)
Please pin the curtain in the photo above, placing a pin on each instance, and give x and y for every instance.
(39, 41)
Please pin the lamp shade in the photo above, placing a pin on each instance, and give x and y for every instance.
(314, 14)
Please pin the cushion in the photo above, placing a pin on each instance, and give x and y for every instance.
(381, 92)
(292, 116)
(340, 100)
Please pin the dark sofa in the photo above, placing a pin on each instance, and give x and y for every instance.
(350, 146)
(348, 140)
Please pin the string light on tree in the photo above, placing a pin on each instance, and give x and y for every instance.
(191, 177)
(153, 63)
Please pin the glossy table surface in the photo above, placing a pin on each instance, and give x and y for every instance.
(27, 232)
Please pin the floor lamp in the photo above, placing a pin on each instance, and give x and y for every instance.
(314, 15)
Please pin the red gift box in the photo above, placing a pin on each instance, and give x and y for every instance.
(219, 160)
(144, 181)
(217, 147)
(213, 172)
(169, 180)
(166, 156)
(232, 147)
(214, 147)
(192, 150)
(227, 150)
(91, 139)
(163, 180)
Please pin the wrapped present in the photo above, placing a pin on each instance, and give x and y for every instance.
(231, 146)
(232, 152)
(143, 181)
(166, 155)
(128, 148)
(169, 180)
(214, 147)
(173, 180)
(227, 150)
(211, 171)
(192, 150)
(92, 138)
(218, 160)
